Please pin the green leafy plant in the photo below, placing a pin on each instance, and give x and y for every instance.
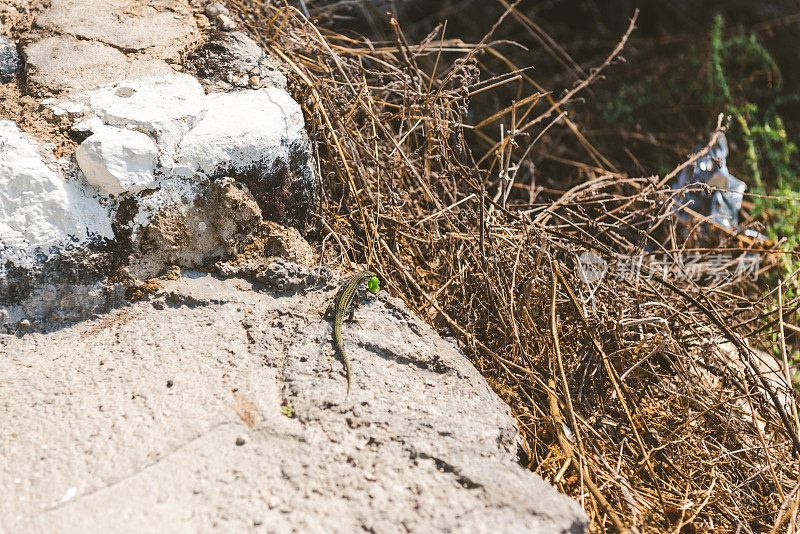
(287, 410)
(770, 155)
(735, 74)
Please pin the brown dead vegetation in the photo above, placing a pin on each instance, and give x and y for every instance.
(649, 399)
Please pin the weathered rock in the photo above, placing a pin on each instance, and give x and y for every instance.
(158, 146)
(226, 23)
(224, 222)
(118, 160)
(164, 27)
(10, 62)
(61, 292)
(215, 9)
(234, 58)
(63, 63)
(12, 14)
(104, 41)
(155, 146)
(39, 211)
(215, 406)
(255, 136)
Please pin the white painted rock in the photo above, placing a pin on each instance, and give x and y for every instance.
(166, 106)
(257, 135)
(159, 141)
(117, 160)
(242, 129)
(39, 211)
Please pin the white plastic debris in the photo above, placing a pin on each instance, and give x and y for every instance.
(723, 204)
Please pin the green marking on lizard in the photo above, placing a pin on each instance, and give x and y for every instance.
(343, 305)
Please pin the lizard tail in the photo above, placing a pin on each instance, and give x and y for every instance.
(347, 372)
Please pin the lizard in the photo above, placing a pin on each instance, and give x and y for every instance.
(343, 305)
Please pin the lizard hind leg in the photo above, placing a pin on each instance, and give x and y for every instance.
(351, 311)
(351, 317)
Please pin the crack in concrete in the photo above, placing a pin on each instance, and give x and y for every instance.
(146, 467)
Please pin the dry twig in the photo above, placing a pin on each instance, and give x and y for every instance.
(674, 430)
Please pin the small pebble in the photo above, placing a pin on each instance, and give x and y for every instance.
(10, 62)
(169, 383)
(255, 81)
(226, 23)
(241, 440)
(216, 8)
(125, 92)
(240, 80)
(202, 21)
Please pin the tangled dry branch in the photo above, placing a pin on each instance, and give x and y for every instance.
(648, 398)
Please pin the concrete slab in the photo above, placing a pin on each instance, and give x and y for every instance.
(65, 63)
(217, 406)
(164, 27)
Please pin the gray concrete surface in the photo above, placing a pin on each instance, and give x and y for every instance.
(162, 27)
(170, 415)
(63, 63)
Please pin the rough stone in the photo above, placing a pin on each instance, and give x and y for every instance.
(235, 56)
(201, 20)
(224, 221)
(241, 130)
(118, 160)
(148, 147)
(164, 27)
(215, 9)
(62, 63)
(165, 106)
(10, 62)
(13, 13)
(95, 438)
(38, 210)
(78, 296)
(226, 23)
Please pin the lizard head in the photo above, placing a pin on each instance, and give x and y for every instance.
(373, 284)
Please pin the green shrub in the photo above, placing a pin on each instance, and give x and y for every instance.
(770, 155)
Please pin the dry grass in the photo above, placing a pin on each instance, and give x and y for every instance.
(645, 399)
